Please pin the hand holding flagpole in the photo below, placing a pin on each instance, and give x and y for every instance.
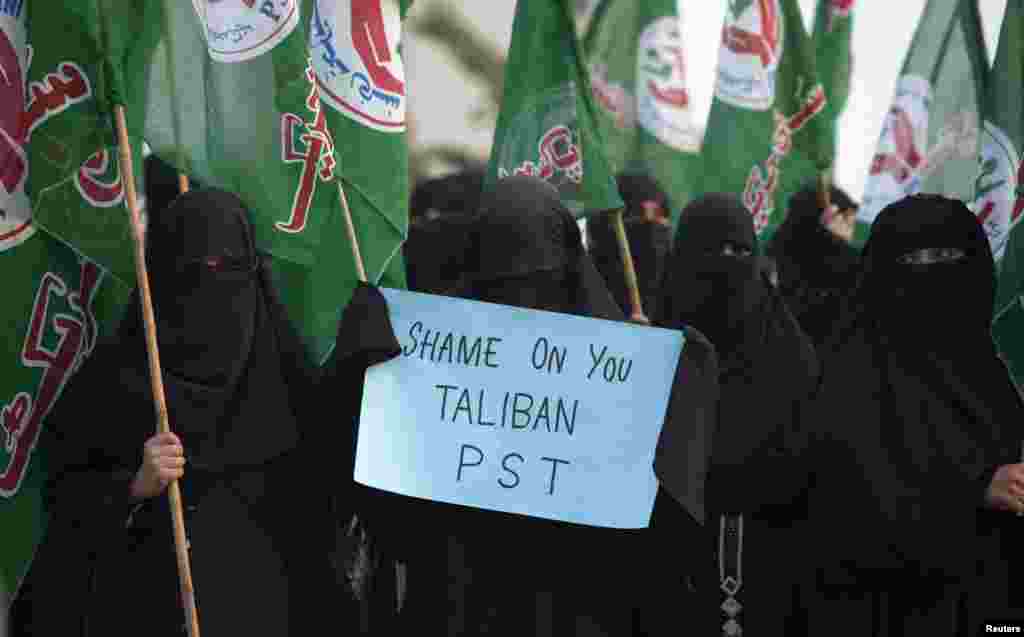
(173, 491)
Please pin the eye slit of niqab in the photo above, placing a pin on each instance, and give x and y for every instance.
(213, 264)
(732, 249)
(930, 256)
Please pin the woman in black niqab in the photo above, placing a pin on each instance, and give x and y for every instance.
(526, 251)
(239, 390)
(757, 476)
(474, 572)
(918, 416)
(491, 573)
(650, 239)
(817, 269)
(441, 212)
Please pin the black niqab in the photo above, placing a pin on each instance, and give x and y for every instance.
(756, 471)
(239, 388)
(161, 183)
(716, 293)
(768, 366)
(650, 241)
(436, 198)
(637, 189)
(919, 409)
(221, 331)
(526, 250)
(816, 269)
(805, 244)
(441, 212)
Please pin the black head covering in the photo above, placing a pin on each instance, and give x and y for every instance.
(750, 459)
(816, 269)
(161, 184)
(715, 293)
(919, 410)
(650, 241)
(526, 250)
(202, 266)
(237, 383)
(457, 193)
(899, 295)
(227, 350)
(441, 213)
(767, 365)
(637, 189)
(435, 253)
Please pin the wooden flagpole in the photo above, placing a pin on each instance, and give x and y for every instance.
(629, 270)
(163, 426)
(825, 189)
(352, 239)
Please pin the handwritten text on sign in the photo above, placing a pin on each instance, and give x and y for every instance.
(501, 408)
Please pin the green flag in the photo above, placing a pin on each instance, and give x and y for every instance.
(929, 140)
(356, 53)
(282, 102)
(81, 50)
(547, 124)
(999, 196)
(833, 31)
(637, 65)
(765, 136)
(56, 302)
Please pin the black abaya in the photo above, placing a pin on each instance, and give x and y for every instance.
(817, 271)
(649, 236)
(916, 415)
(758, 475)
(241, 395)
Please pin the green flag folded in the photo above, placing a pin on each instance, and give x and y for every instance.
(636, 60)
(547, 125)
(356, 53)
(281, 102)
(833, 31)
(53, 134)
(929, 140)
(56, 305)
(83, 52)
(765, 136)
(999, 196)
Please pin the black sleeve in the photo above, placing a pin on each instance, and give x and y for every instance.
(88, 483)
(302, 374)
(790, 467)
(365, 338)
(801, 434)
(683, 453)
(762, 466)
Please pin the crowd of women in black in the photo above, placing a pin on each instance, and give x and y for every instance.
(862, 473)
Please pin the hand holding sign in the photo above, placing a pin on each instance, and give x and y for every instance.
(501, 408)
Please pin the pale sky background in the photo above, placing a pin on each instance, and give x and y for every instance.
(441, 101)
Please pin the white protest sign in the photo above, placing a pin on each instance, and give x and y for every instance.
(521, 411)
